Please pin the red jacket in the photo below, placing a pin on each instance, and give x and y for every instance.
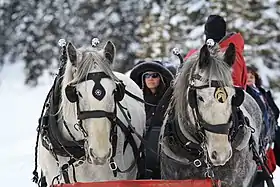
(239, 70)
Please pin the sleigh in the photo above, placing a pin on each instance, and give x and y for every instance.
(147, 183)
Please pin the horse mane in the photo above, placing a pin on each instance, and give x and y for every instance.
(216, 69)
(88, 58)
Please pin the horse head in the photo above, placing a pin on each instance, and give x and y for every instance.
(89, 95)
(204, 97)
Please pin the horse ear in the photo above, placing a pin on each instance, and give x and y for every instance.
(229, 56)
(204, 56)
(109, 51)
(72, 53)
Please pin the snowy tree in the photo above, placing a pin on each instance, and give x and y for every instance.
(171, 24)
(140, 29)
(30, 30)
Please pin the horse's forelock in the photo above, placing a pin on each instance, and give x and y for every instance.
(90, 57)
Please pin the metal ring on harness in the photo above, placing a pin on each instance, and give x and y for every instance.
(113, 166)
(197, 163)
(79, 162)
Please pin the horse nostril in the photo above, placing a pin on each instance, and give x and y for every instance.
(214, 155)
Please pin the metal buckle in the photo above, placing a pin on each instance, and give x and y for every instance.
(188, 143)
(48, 142)
(79, 162)
(197, 163)
(113, 166)
(209, 174)
(192, 82)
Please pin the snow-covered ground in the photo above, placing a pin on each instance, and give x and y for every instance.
(20, 108)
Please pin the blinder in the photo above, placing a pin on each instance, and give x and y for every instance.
(98, 90)
(120, 91)
(241, 138)
(71, 93)
(241, 130)
(238, 98)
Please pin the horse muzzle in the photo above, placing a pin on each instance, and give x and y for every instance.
(93, 159)
(218, 159)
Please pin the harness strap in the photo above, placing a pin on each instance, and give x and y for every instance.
(114, 139)
(95, 114)
(177, 140)
(65, 176)
(42, 182)
(74, 174)
(35, 173)
(131, 139)
(138, 98)
(64, 170)
(218, 128)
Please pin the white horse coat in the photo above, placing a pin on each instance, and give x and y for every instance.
(99, 128)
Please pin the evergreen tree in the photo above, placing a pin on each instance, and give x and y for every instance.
(140, 29)
(171, 24)
(30, 30)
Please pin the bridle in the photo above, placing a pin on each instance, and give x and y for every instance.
(202, 125)
(98, 92)
(199, 121)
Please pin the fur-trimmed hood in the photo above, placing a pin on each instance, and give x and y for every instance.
(137, 72)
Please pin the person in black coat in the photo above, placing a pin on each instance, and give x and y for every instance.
(154, 79)
(270, 116)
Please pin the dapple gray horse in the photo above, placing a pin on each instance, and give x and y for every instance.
(201, 136)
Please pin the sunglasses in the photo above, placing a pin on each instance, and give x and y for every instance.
(152, 75)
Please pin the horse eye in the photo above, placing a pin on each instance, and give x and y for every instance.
(201, 98)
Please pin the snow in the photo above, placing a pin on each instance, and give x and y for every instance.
(20, 109)
(196, 32)
(195, 6)
(176, 19)
(155, 9)
(271, 13)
